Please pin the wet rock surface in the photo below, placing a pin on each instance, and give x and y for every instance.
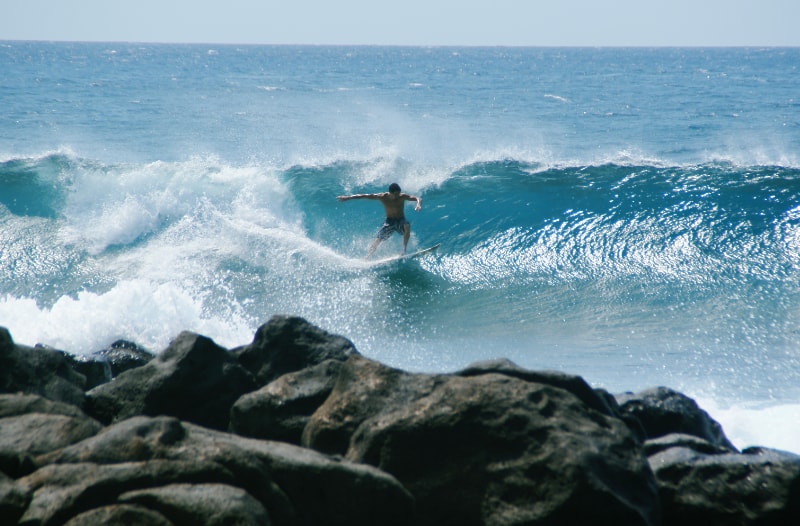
(297, 428)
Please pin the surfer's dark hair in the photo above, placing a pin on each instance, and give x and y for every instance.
(394, 187)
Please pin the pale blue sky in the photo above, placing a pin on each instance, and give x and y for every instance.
(410, 22)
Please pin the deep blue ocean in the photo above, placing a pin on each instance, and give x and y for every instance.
(628, 215)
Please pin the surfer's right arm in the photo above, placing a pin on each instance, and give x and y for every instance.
(358, 196)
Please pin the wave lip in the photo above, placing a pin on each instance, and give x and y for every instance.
(35, 186)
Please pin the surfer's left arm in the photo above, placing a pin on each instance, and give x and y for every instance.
(409, 197)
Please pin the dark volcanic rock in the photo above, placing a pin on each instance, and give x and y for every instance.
(193, 379)
(287, 344)
(38, 370)
(120, 515)
(14, 500)
(207, 504)
(574, 384)
(493, 444)
(758, 487)
(364, 389)
(662, 411)
(281, 409)
(96, 370)
(62, 491)
(123, 355)
(15, 464)
(488, 448)
(657, 445)
(31, 425)
(294, 485)
(23, 404)
(702, 479)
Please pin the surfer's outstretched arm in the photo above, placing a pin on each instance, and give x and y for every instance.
(358, 196)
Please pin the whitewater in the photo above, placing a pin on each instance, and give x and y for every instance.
(628, 215)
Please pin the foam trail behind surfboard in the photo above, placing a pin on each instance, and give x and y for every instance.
(405, 257)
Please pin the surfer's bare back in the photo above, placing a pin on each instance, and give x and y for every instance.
(394, 202)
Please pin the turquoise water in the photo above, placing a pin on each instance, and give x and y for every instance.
(629, 215)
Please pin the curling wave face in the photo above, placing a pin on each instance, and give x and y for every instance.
(553, 266)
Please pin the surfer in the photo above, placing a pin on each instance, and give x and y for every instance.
(394, 202)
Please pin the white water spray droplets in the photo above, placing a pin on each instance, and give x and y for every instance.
(121, 205)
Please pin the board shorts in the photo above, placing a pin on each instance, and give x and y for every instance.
(392, 225)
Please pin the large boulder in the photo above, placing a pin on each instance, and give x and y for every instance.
(119, 515)
(62, 491)
(31, 425)
(595, 399)
(22, 404)
(38, 433)
(363, 390)
(39, 370)
(281, 409)
(287, 344)
(488, 448)
(702, 478)
(493, 444)
(759, 486)
(148, 462)
(208, 504)
(663, 411)
(194, 379)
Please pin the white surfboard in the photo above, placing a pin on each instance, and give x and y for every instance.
(404, 257)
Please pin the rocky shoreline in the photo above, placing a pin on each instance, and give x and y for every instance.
(298, 428)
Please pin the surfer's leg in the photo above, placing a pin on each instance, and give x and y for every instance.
(406, 235)
(372, 247)
(384, 232)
